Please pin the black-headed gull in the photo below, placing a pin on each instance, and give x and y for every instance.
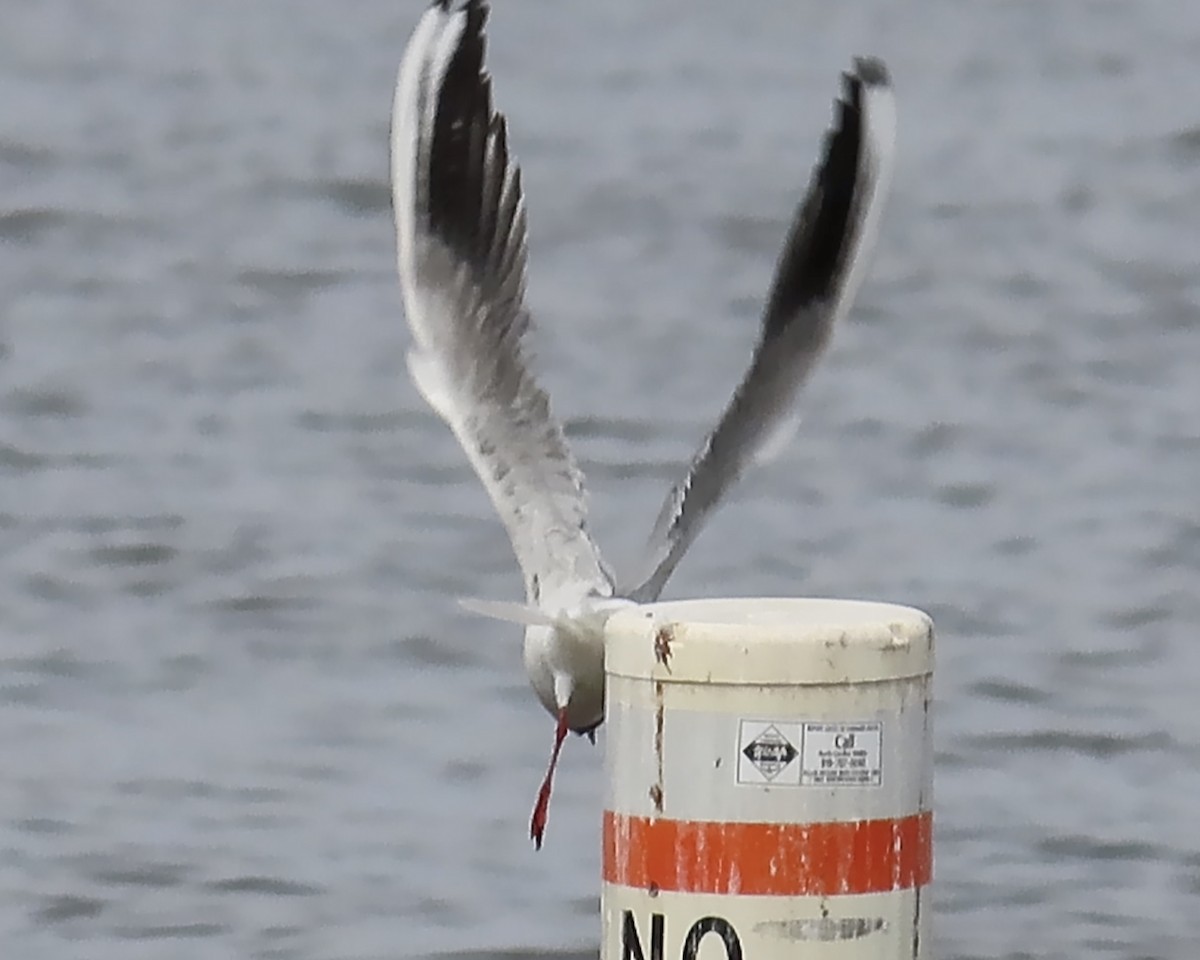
(460, 228)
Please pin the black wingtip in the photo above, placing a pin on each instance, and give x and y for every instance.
(814, 257)
(445, 5)
(872, 72)
(869, 73)
(460, 131)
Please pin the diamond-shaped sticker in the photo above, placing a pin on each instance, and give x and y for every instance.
(770, 752)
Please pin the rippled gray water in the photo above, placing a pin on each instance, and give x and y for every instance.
(240, 714)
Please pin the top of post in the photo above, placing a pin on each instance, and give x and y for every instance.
(769, 641)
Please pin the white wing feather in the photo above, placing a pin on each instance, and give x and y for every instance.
(819, 271)
(460, 228)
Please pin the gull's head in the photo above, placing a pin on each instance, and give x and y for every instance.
(564, 652)
(552, 677)
(565, 661)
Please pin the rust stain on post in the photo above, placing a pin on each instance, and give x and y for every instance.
(656, 796)
(662, 646)
(656, 790)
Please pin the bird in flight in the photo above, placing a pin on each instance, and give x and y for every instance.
(461, 251)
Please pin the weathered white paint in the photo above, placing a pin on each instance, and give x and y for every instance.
(786, 745)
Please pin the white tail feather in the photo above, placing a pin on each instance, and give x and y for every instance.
(520, 613)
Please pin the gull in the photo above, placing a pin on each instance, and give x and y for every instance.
(461, 251)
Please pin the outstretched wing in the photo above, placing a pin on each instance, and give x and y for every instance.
(818, 274)
(460, 228)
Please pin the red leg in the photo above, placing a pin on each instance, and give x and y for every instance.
(537, 824)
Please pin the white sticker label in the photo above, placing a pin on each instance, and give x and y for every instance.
(841, 754)
(810, 753)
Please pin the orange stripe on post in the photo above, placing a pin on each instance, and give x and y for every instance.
(769, 859)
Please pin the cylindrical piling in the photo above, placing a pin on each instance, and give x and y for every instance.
(769, 781)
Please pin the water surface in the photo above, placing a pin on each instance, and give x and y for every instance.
(240, 713)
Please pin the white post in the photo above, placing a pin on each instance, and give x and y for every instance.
(770, 772)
